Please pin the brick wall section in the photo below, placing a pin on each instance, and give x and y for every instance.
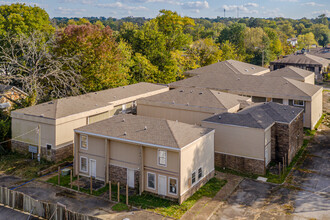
(296, 130)
(196, 187)
(119, 174)
(54, 155)
(239, 163)
(288, 139)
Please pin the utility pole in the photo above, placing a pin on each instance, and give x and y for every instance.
(39, 142)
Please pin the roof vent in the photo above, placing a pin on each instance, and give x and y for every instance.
(292, 112)
(219, 116)
(253, 68)
(123, 120)
(173, 102)
(284, 108)
(125, 133)
(181, 90)
(42, 115)
(191, 91)
(187, 103)
(50, 102)
(201, 93)
(114, 96)
(218, 92)
(145, 128)
(238, 78)
(95, 93)
(246, 70)
(123, 87)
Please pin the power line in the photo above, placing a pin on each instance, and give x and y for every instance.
(19, 135)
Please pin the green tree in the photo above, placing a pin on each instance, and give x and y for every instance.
(143, 71)
(204, 52)
(305, 40)
(99, 55)
(22, 19)
(321, 33)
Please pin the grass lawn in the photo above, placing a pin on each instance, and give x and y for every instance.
(22, 165)
(149, 201)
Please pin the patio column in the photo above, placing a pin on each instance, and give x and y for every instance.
(141, 170)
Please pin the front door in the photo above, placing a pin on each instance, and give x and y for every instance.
(162, 185)
(130, 178)
(92, 167)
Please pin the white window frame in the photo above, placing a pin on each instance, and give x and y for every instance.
(298, 104)
(159, 160)
(198, 173)
(169, 186)
(84, 148)
(87, 163)
(148, 180)
(192, 178)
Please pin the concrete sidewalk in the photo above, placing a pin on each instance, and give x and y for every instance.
(205, 207)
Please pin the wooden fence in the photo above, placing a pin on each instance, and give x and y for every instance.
(20, 201)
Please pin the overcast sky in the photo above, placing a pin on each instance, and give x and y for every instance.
(191, 8)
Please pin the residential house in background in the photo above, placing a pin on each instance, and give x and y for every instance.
(247, 141)
(293, 41)
(58, 118)
(309, 62)
(294, 73)
(190, 105)
(10, 95)
(260, 88)
(167, 158)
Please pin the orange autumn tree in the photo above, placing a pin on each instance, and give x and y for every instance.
(99, 57)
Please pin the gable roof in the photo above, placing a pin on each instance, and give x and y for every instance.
(229, 67)
(304, 59)
(196, 98)
(146, 130)
(76, 104)
(266, 86)
(290, 72)
(261, 115)
(320, 52)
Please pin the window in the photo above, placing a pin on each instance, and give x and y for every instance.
(200, 173)
(269, 99)
(193, 178)
(172, 185)
(162, 158)
(151, 180)
(258, 99)
(278, 100)
(84, 142)
(298, 103)
(83, 164)
(49, 149)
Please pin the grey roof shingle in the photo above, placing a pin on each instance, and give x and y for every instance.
(76, 104)
(197, 98)
(229, 67)
(302, 59)
(290, 72)
(320, 52)
(260, 115)
(147, 130)
(266, 86)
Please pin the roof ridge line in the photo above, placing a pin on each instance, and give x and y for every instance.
(211, 91)
(230, 66)
(176, 141)
(289, 80)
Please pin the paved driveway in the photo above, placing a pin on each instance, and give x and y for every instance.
(305, 196)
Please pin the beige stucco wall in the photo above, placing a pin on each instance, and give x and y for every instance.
(198, 154)
(186, 116)
(236, 140)
(316, 107)
(310, 79)
(25, 125)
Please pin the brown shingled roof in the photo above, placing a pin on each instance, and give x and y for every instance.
(76, 104)
(192, 98)
(146, 130)
(302, 59)
(290, 72)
